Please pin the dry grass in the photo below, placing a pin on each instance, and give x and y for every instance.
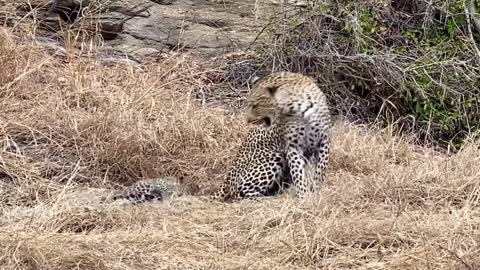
(71, 127)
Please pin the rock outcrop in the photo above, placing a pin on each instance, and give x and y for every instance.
(140, 28)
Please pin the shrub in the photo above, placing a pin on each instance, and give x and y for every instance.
(408, 63)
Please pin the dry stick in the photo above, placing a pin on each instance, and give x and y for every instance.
(258, 35)
(70, 179)
(270, 22)
(28, 72)
(456, 256)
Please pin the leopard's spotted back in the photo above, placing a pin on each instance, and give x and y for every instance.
(258, 168)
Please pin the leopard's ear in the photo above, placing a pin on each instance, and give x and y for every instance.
(272, 90)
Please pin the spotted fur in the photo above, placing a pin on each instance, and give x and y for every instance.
(150, 190)
(296, 103)
(259, 168)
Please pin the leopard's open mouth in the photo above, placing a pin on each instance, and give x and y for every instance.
(266, 121)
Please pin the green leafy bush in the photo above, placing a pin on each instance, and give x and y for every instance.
(412, 64)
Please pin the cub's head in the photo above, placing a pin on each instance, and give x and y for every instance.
(262, 108)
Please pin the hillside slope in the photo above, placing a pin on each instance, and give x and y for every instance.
(69, 126)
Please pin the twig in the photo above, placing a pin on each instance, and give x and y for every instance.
(454, 254)
(259, 34)
(270, 22)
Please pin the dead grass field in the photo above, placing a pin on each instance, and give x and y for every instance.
(70, 127)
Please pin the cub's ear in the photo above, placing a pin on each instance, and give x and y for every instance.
(253, 80)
